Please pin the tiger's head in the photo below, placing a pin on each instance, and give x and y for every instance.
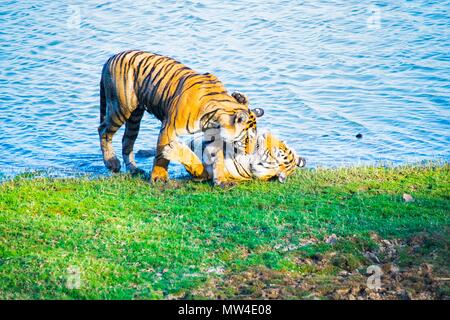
(272, 158)
(241, 129)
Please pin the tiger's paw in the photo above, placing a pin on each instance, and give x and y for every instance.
(112, 164)
(135, 171)
(240, 97)
(162, 179)
(159, 175)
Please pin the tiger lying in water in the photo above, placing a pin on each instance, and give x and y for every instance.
(185, 101)
(272, 158)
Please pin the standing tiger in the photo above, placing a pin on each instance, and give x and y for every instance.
(183, 100)
(272, 158)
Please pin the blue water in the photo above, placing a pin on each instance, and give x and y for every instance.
(324, 71)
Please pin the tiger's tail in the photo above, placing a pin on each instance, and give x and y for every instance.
(102, 101)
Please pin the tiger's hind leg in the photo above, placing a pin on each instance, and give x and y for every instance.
(132, 126)
(109, 126)
(106, 132)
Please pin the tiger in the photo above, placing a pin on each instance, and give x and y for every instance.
(185, 101)
(271, 159)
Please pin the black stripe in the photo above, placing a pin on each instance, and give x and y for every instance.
(210, 115)
(149, 79)
(174, 96)
(166, 91)
(158, 61)
(116, 58)
(239, 171)
(228, 100)
(144, 61)
(202, 81)
(115, 124)
(121, 60)
(187, 124)
(213, 93)
(175, 93)
(167, 69)
(148, 96)
(119, 114)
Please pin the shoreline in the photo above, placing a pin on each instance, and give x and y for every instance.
(179, 173)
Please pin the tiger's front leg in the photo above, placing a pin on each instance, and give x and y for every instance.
(179, 152)
(160, 165)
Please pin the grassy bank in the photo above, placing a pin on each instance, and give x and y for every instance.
(313, 237)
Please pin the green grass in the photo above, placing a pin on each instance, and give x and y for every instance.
(133, 240)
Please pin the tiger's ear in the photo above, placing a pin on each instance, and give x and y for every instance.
(259, 112)
(301, 162)
(240, 97)
(282, 177)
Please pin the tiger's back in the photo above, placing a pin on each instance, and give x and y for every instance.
(151, 81)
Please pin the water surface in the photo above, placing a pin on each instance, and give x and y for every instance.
(324, 71)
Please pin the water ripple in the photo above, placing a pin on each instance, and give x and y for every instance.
(323, 72)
